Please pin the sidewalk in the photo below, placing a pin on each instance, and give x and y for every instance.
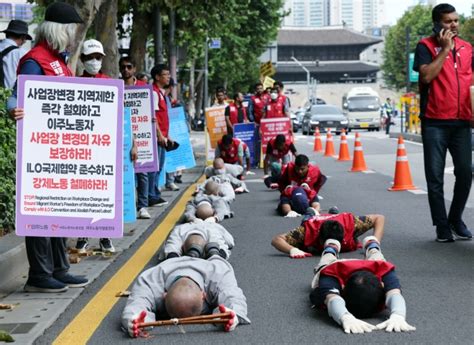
(33, 313)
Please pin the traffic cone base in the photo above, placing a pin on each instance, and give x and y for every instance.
(402, 180)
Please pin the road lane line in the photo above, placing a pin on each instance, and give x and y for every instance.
(83, 326)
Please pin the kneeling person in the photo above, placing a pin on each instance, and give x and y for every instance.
(185, 287)
(313, 232)
(356, 289)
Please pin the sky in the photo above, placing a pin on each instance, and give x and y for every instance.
(396, 8)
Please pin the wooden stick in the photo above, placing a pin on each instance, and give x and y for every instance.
(196, 320)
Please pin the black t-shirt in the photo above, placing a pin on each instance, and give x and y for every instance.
(240, 113)
(423, 57)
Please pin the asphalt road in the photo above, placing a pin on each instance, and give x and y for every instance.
(437, 279)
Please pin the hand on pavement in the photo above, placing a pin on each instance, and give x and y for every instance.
(239, 190)
(229, 326)
(296, 253)
(133, 330)
(396, 323)
(274, 186)
(351, 324)
(292, 214)
(249, 173)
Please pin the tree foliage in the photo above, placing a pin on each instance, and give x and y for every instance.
(467, 30)
(418, 20)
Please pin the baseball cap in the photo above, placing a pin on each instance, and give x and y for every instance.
(92, 46)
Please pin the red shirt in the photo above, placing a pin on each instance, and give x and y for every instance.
(258, 103)
(162, 113)
(275, 109)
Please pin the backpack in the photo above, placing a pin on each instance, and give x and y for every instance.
(4, 53)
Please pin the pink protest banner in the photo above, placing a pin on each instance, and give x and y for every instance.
(69, 157)
(270, 128)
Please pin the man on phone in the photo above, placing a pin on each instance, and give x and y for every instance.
(445, 64)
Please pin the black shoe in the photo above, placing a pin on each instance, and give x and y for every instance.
(106, 245)
(443, 234)
(49, 284)
(72, 281)
(158, 202)
(177, 179)
(460, 231)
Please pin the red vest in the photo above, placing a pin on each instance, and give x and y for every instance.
(312, 226)
(449, 96)
(281, 98)
(343, 269)
(279, 154)
(289, 177)
(49, 60)
(140, 83)
(275, 109)
(231, 155)
(258, 103)
(162, 113)
(234, 113)
(98, 75)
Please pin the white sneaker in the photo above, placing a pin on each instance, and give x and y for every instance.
(172, 186)
(143, 214)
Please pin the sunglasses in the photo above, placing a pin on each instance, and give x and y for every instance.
(126, 67)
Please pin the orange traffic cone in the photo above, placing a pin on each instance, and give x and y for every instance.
(344, 148)
(358, 164)
(329, 145)
(318, 146)
(402, 180)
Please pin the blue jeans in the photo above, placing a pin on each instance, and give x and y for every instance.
(142, 190)
(437, 140)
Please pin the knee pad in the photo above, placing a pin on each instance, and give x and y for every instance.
(195, 251)
(212, 248)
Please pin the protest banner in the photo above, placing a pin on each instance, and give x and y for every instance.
(70, 157)
(215, 129)
(129, 208)
(246, 133)
(270, 128)
(182, 157)
(140, 101)
(268, 82)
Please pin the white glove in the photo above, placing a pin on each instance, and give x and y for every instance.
(239, 190)
(274, 186)
(292, 214)
(249, 173)
(229, 326)
(305, 186)
(351, 324)
(296, 253)
(396, 323)
(211, 220)
(197, 220)
(265, 176)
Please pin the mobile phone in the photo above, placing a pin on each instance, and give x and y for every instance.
(437, 27)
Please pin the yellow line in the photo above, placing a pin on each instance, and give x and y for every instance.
(83, 326)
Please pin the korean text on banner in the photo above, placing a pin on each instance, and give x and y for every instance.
(270, 128)
(140, 100)
(246, 133)
(182, 157)
(129, 209)
(69, 157)
(215, 127)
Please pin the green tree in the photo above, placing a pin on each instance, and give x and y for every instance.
(467, 30)
(418, 20)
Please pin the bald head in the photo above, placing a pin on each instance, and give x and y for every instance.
(218, 163)
(211, 188)
(184, 299)
(204, 211)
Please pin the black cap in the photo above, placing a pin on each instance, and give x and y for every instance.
(60, 12)
(18, 27)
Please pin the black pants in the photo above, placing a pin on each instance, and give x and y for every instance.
(437, 140)
(46, 256)
(388, 123)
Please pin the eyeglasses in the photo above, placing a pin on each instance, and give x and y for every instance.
(126, 66)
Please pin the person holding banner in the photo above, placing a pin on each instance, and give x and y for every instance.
(257, 105)
(47, 256)
(128, 71)
(277, 155)
(235, 113)
(299, 185)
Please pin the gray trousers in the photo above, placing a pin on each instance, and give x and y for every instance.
(47, 256)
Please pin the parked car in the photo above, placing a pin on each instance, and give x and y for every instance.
(325, 117)
(295, 121)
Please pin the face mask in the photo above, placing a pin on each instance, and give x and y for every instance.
(274, 95)
(219, 171)
(92, 66)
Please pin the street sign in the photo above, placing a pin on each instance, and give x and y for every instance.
(413, 74)
(215, 43)
(267, 69)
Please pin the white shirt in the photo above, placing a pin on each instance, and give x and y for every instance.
(10, 62)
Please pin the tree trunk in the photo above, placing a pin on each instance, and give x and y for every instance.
(172, 49)
(106, 33)
(199, 98)
(192, 97)
(87, 10)
(142, 25)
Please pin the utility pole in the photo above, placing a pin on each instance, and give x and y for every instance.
(206, 73)
(172, 50)
(308, 76)
(407, 59)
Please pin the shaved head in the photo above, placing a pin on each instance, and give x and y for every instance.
(204, 211)
(218, 163)
(212, 188)
(184, 299)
